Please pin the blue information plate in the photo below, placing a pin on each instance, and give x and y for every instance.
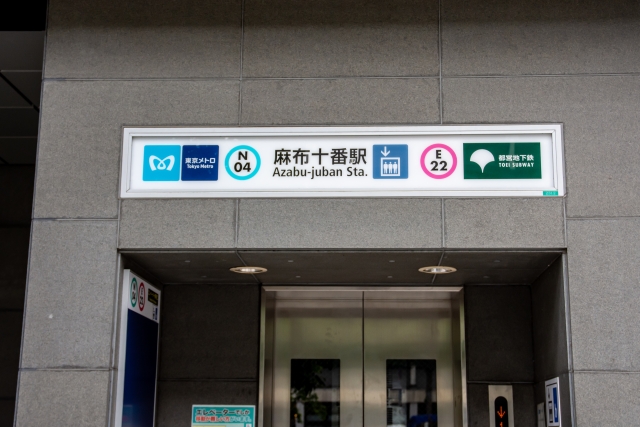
(223, 415)
(391, 161)
(200, 162)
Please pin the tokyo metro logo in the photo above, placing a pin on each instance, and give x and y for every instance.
(156, 163)
(161, 163)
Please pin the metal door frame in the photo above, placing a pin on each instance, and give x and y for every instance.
(267, 306)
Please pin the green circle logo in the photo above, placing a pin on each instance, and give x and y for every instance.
(133, 291)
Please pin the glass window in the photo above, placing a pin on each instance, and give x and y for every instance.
(315, 393)
(411, 393)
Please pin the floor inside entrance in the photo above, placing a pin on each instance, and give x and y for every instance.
(514, 305)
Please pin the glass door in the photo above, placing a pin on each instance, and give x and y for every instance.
(358, 357)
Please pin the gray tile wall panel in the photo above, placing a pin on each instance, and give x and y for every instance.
(502, 37)
(175, 398)
(204, 223)
(339, 223)
(340, 101)
(63, 398)
(196, 319)
(70, 297)
(81, 135)
(616, 395)
(504, 223)
(498, 333)
(549, 323)
(604, 293)
(601, 126)
(145, 39)
(329, 38)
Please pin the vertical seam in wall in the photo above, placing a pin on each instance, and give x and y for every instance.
(533, 335)
(564, 213)
(235, 240)
(24, 310)
(114, 336)
(567, 310)
(440, 56)
(241, 62)
(442, 222)
(115, 323)
(362, 356)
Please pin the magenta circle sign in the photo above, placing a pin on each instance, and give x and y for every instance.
(453, 157)
(141, 296)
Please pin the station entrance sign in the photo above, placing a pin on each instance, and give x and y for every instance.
(438, 161)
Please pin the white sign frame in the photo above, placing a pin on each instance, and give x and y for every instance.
(555, 131)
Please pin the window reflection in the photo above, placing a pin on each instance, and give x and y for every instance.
(315, 393)
(411, 393)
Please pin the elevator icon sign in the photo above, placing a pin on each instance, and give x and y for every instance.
(391, 161)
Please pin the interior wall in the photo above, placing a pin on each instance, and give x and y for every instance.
(16, 194)
(550, 335)
(499, 345)
(209, 349)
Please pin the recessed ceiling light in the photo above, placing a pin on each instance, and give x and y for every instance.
(186, 260)
(290, 260)
(437, 269)
(248, 270)
(389, 277)
(392, 260)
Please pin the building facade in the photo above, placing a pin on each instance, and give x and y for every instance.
(546, 290)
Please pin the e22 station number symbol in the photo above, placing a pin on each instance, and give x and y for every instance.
(438, 161)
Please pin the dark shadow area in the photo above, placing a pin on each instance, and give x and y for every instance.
(16, 193)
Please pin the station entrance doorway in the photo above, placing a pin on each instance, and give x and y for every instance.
(353, 357)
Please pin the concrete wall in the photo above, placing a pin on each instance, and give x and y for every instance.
(499, 344)
(551, 350)
(252, 62)
(208, 353)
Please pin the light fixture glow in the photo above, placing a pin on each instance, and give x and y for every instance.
(248, 270)
(437, 269)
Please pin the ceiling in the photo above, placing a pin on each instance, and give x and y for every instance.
(341, 267)
(21, 54)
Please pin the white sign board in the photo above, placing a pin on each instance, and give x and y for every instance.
(437, 161)
(552, 394)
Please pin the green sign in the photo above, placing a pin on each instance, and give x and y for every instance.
(223, 415)
(502, 160)
(134, 292)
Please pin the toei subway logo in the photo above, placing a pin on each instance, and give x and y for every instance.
(161, 163)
